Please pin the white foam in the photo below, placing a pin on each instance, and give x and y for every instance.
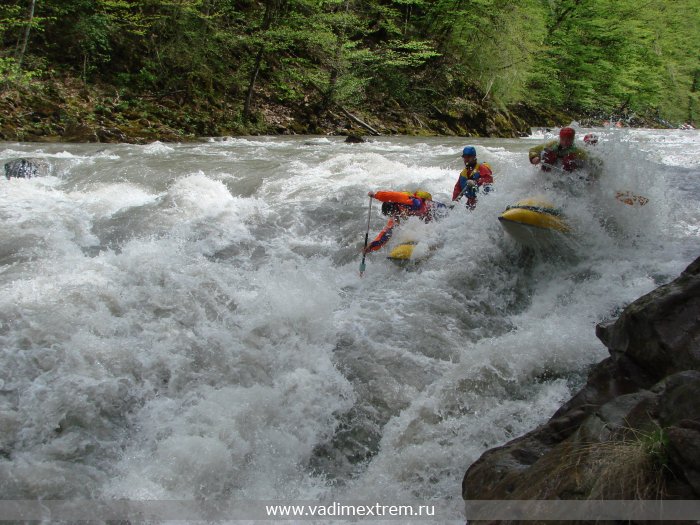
(188, 321)
(157, 148)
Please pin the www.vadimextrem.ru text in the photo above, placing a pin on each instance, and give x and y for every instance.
(339, 510)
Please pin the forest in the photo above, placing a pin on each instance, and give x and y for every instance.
(173, 68)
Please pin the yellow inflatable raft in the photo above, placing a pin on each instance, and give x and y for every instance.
(408, 252)
(533, 221)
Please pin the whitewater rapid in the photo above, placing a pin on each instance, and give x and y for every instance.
(187, 321)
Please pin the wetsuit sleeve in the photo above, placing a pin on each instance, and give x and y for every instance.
(458, 189)
(536, 151)
(383, 237)
(461, 182)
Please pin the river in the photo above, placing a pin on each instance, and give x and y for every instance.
(187, 321)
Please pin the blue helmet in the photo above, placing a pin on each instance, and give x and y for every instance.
(469, 150)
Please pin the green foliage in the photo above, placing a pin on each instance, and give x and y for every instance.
(407, 54)
(578, 55)
(655, 444)
(92, 36)
(12, 76)
(10, 19)
(286, 93)
(611, 55)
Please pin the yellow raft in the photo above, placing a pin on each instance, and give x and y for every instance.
(406, 253)
(533, 222)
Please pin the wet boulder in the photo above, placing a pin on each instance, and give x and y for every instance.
(354, 139)
(633, 431)
(26, 168)
(660, 332)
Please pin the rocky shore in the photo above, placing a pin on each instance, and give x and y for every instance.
(68, 110)
(633, 431)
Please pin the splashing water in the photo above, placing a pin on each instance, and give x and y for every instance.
(187, 321)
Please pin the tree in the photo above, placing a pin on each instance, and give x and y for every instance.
(25, 40)
(272, 10)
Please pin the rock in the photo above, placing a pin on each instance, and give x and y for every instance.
(354, 139)
(80, 132)
(633, 431)
(684, 451)
(617, 416)
(26, 168)
(660, 332)
(107, 134)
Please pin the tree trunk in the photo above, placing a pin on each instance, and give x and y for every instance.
(693, 90)
(271, 8)
(251, 84)
(329, 96)
(23, 49)
(360, 122)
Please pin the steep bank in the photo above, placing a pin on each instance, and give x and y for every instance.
(633, 432)
(69, 110)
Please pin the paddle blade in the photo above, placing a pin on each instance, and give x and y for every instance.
(629, 198)
(362, 266)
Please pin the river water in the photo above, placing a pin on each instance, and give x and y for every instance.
(187, 321)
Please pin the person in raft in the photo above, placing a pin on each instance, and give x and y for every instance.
(590, 139)
(563, 150)
(399, 205)
(475, 175)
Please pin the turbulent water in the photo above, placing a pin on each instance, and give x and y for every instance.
(183, 321)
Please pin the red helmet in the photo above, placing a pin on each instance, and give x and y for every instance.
(567, 133)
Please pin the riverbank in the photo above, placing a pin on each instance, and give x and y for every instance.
(68, 110)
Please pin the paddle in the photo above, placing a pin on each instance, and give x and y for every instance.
(630, 198)
(625, 197)
(364, 254)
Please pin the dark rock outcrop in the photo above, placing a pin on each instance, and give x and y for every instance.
(354, 139)
(26, 168)
(633, 431)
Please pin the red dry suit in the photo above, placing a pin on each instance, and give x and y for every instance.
(481, 174)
